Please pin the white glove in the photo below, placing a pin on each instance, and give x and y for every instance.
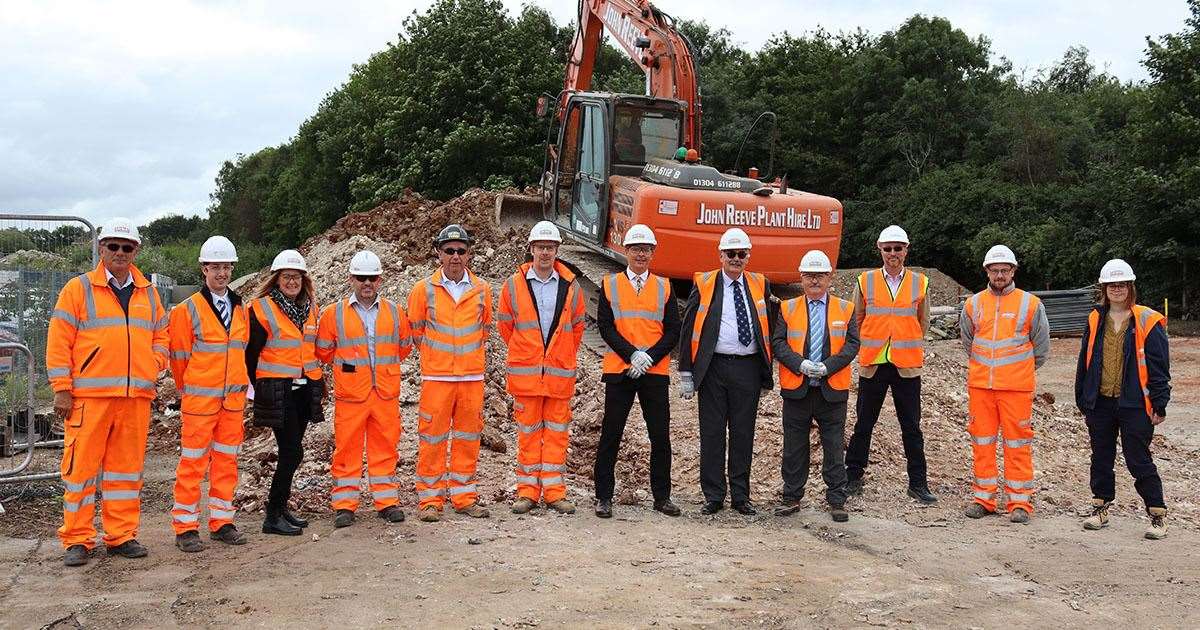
(250, 392)
(641, 363)
(820, 370)
(808, 368)
(686, 388)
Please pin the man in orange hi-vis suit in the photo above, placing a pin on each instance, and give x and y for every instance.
(209, 332)
(449, 313)
(365, 337)
(541, 318)
(106, 345)
(1007, 336)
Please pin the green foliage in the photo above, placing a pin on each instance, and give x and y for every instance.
(175, 227)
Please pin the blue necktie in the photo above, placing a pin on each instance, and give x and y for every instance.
(743, 320)
(816, 330)
(223, 312)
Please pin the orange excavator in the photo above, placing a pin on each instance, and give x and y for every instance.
(614, 160)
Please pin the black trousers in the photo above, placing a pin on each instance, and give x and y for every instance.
(652, 391)
(290, 441)
(1104, 424)
(728, 401)
(798, 416)
(906, 395)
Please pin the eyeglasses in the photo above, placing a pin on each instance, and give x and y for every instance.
(893, 249)
(1117, 285)
(113, 247)
(450, 251)
(366, 278)
(737, 253)
(290, 277)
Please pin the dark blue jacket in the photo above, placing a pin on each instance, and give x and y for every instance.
(1158, 366)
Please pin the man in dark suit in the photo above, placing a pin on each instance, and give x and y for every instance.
(815, 339)
(725, 354)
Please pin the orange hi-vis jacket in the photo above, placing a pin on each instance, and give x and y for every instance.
(1002, 351)
(537, 367)
(837, 321)
(342, 341)
(208, 363)
(706, 284)
(891, 324)
(1144, 320)
(638, 317)
(289, 352)
(451, 335)
(95, 350)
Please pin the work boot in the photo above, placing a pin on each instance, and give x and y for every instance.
(522, 505)
(76, 556)
(343, 518)
(604, 508)
(562, 506)
(666, 507)
(129, 549)
(788, 507)
(474, 510)
(276, 523)
(1019, 515)
(1158, 523)
(190, 542)
(922, 494)
(1099, 517)
(854, 486)
(293, 519)
(229, 535)
(838, 513)
(392, 514)
(430, 514)
(976, 510)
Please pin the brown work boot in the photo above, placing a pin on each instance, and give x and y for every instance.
(562, 506)
(76, 556)
(522, 505)
(1018, 515)
(229, 535)
(474, 510)
(1099, 517)
(430, 514)
(838, 513)
(189, 542)
(1158, 523)
(129, 549)
(976, 510)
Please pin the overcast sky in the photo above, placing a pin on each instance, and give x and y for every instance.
(130, 107)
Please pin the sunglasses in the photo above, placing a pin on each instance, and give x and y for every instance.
(450, 251)
(114, 247)
(366, 278)
(892, 249)
(740, 253)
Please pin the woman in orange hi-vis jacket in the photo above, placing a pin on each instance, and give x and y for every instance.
(365, 337)
(106, 345)
(449, 313)
(289, 385)
(209, 332)
(541, 318)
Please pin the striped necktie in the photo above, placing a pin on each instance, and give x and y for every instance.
(637, 284)
(223, 312)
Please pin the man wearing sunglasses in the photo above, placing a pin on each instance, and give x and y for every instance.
(893, 316)
(725, 354)
(106, 345)
(450, 312)
(365, 337)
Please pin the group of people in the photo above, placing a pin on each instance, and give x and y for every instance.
(110, 337)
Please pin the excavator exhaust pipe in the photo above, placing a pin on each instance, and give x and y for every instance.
(515, 210)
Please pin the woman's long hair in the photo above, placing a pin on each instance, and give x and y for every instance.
(307, 292)
(1104, 295)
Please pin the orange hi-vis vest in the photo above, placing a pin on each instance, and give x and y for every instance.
(1144, 320)
(890, 324)
(95, 350)
(451, 335)
(342, 341)
(1002, 352)
(706, 283)
(837, 321)
(289, 352)
(537, 367)
(208, 363)
(638, 317)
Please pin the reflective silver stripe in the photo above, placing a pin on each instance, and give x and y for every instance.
(344, 494)
(553, 467)
(278, 368)
(533, 481)
(901, 345)
(346, 481)
(226, 449)
(186, 507)
(97, 382)
(58, 372)
(552, 480)
(311, 365)
(383, 479)
(212, 348)
(236, 389)
(194, 315)
(620, 312)
(461, 478)
(324, 344)
(1023, 498)
(1019, 485)
(221, 503)
(429, 494)
(186, 518)
(528, 468)
(89, 300)
(455, 491)
(434, 439)
(237, 344)
(560, 372)
(65, 316)
(986, 496)
(181, 355)
(463, 435)
(530, 428)
(556, 426)
(69, 506)
(526, 325)
(193, 453)
(985, 481)
(872, 343)
(222, 514)
(120, 495)
(1012, 358)
(455, 331)
(382, 339)
(390, 360)
(460, 349)
(837, 332)
(120, 476)
(159, 349)
(282, 343)
(1023, 313)
(915, 285)
(207, 392)
(79, 487)
(141, 383)
(387, 494)
(983, 441)
(901, 311)
(1018, 443)
(517, 370)
(352, 361)
(430, 480)
(145, 324)
(1000, 344)
(424, 415)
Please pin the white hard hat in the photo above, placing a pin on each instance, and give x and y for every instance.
(289, 259)
(815, 261)
(1116, 270)
(120, 227)
(639, 234)
(365, 263)
(545, 231)
(999, 254)
(734, 238)
(217, 249)
(893, 234)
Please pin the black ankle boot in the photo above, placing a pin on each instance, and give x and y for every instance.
(275, 523)
(293, 519)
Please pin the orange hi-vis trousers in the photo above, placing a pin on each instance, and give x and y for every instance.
(104, 446)
(450, 411)
(207, 443)
(542, 424)
(1010, 412)
(374, 422)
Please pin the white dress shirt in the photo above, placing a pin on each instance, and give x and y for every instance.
(111, 278)
(368, 315)
(727, 338)
(645, 276)
(893, 282)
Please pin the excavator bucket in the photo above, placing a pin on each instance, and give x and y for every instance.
(513, 209)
